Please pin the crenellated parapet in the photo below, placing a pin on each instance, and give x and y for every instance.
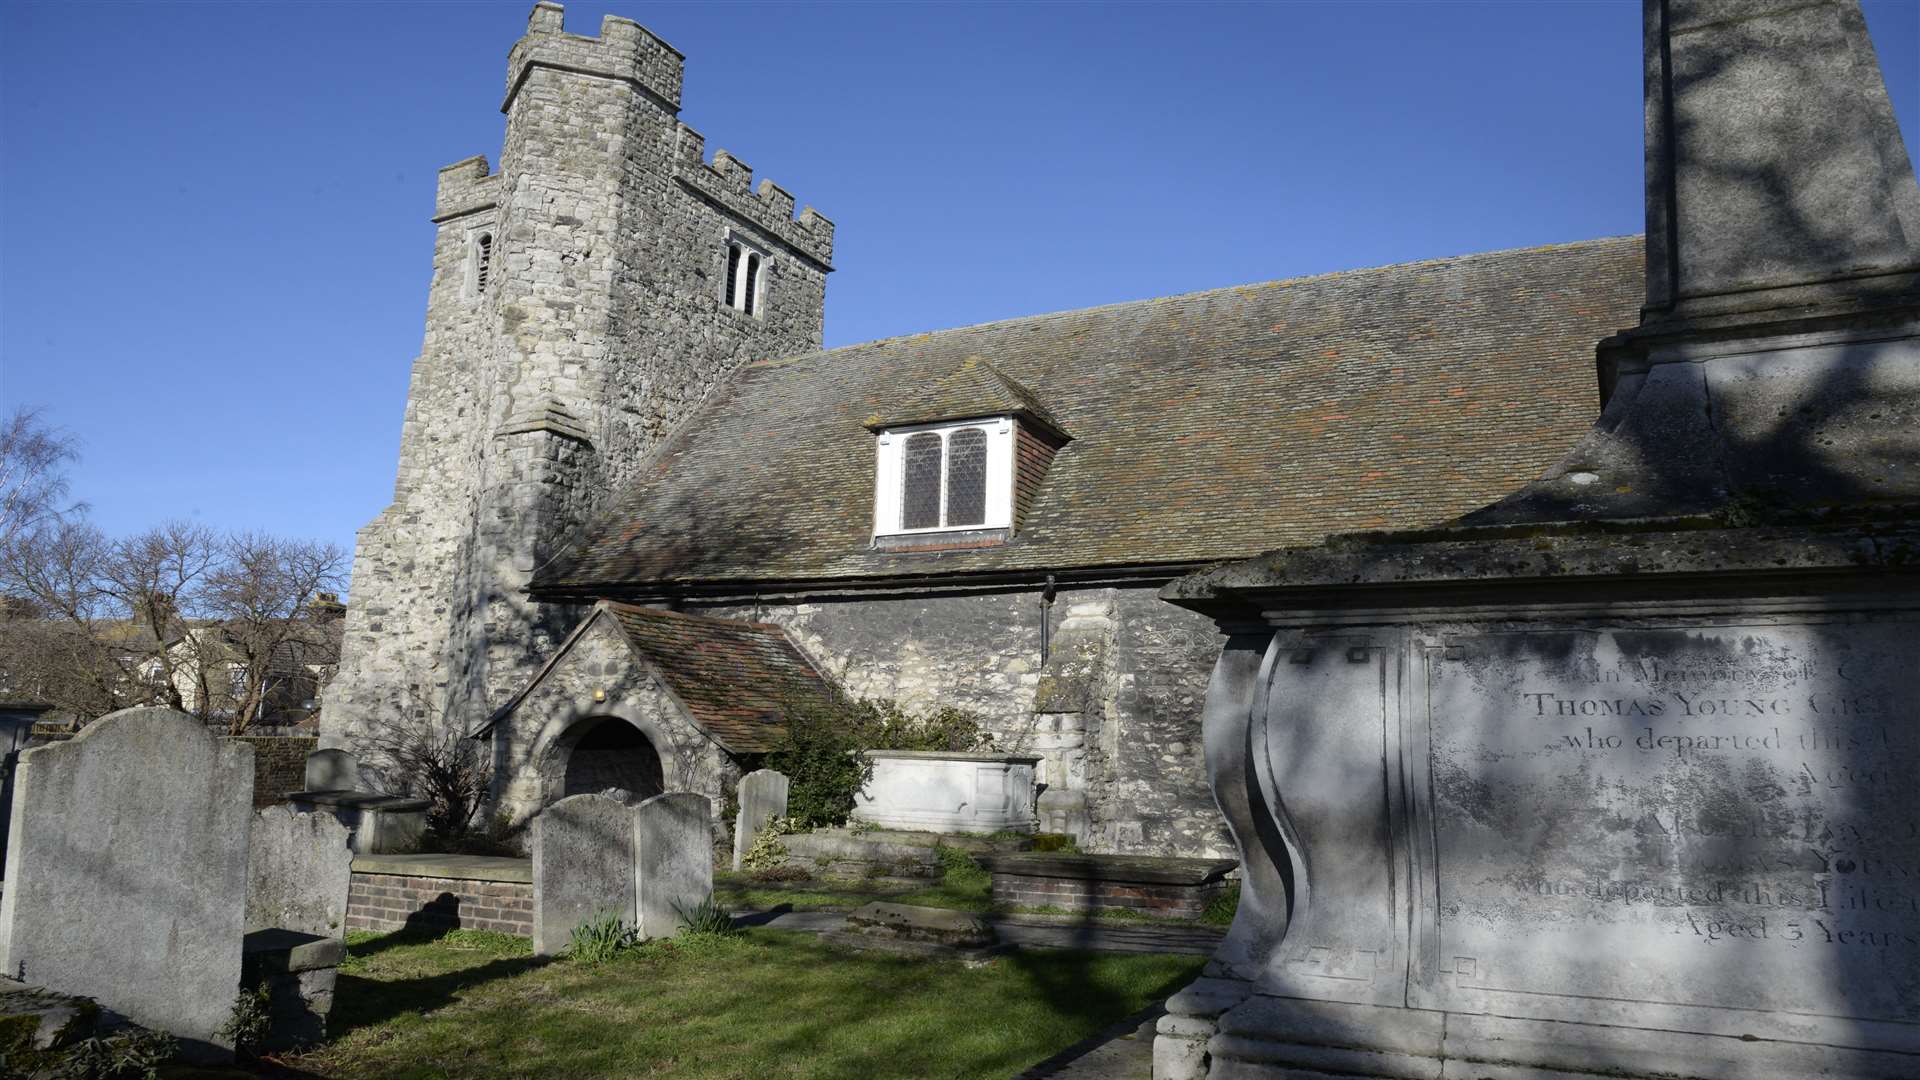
(466, 187)
(728, 181)
(625, 51)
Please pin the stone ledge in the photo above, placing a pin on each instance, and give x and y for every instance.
(304, 952)
(1125, 869)
(450, 867)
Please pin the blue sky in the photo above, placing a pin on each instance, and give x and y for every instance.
(214, 240)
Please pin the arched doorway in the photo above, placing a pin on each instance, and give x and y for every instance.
(607, 752)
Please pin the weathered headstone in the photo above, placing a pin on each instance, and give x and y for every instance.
(299, 870)
(333, 770)
(762, 795)
(583, 867)
(1614, 777)
(126, 875)
(673, 860)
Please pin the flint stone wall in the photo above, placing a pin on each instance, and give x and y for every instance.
(126, 877)
(1128, 725)
(536, 738)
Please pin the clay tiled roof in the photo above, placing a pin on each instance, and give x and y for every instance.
(1210, 426)
(732, 676)
(972, 390)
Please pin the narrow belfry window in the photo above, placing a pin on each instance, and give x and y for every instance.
(920, 483)
(966, 477)
(744, 263)
(479, 263)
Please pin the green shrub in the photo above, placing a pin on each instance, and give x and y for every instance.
(766, 851)
(134, 1054)
(251, 1020)
(961, 869)
(1057, 842)
(706, 917)
(822, 756)
(1221, 908)
(601, 938)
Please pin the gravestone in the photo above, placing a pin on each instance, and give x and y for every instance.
(299, 870)
(333, 770)
(583, 867)
(763, 797)
(672, 860)
(1614, 777)
(126, 874)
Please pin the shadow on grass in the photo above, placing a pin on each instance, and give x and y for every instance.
(1073, 995)
(364, 1002)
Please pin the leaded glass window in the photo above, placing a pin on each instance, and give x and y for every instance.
(733, 271)
(920, 487)
(967, 477)
(950, 477)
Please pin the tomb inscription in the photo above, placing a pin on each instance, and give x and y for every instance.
(1713, 816)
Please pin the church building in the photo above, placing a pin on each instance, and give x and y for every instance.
(638, 506)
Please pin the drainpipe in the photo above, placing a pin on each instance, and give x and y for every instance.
(1046, 620)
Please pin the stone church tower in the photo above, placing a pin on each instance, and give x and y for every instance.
(585, 297)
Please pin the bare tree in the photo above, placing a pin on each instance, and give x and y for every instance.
(225, 628)
(62, 640)
(33, 483)
(269, 597)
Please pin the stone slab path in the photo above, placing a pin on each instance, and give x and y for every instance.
(1032, 931)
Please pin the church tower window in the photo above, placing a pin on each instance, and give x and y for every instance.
(744, 263)
(479, 263)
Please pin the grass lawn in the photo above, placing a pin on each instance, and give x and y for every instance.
(755, 1005)
(964, 885)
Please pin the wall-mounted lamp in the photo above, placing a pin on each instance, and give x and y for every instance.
(599, 694)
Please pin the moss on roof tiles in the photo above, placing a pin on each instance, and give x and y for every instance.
(733, 676)
(1208, 426)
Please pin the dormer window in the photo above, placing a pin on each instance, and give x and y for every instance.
(744, 265)
(945, 477)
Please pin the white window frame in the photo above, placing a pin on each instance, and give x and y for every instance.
(890, 450)
(737, 298)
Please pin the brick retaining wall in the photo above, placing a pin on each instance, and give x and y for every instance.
(1168, 901)
(279, 765)
(393, 892)
(1170, 888)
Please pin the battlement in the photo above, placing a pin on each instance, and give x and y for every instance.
(466, 186)
(728, 182)
(625, 50)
